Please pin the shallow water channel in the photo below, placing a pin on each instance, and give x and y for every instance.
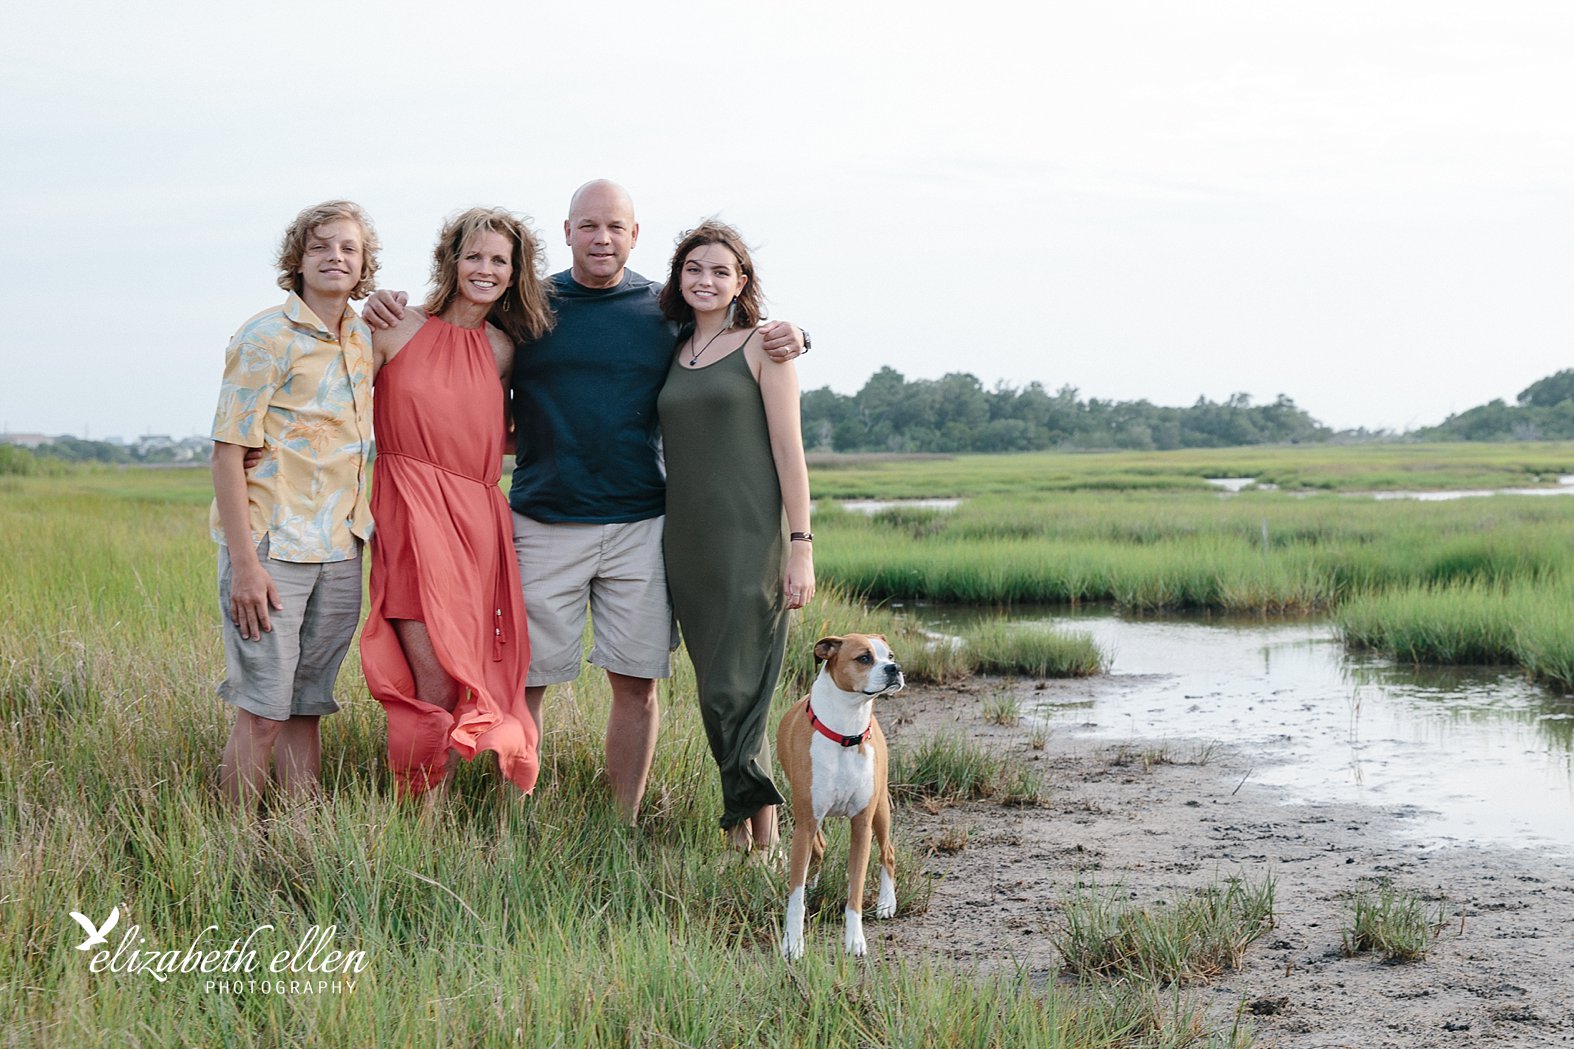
(1473, 756)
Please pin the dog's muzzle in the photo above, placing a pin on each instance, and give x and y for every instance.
(886, 678)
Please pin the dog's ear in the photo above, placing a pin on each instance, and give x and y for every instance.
(826, 647)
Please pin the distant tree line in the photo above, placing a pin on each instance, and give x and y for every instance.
(1543, 411)
(48, 457)
(957, 414)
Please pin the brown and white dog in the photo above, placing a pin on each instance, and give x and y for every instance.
(834, 755)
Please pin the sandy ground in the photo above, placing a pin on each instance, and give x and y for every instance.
(1501, 974)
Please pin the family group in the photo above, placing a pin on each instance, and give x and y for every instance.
(659, 483)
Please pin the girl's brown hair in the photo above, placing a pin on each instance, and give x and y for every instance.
(750, 301)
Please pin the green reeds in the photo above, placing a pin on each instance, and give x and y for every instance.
(1007, 649)
(1524, 622)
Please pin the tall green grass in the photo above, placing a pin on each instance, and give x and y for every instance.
(544, 923)
(548, 923)
(1522, 622)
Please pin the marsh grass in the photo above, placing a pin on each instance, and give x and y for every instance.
(544, 922)
(1031, 651)
(1476, 581)
(1178, 551)
(1004, 709)
(1192, 937)
(987, 648)
(1402, 925)
(947, 769)
(1367, 467)
(1523, 622)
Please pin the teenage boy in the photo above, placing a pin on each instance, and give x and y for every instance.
(298, 386)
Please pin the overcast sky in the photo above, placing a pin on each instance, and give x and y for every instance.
(1366, 206)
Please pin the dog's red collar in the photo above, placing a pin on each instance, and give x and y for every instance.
(836, 737)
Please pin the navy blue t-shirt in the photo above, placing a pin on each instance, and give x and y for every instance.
(585, 406)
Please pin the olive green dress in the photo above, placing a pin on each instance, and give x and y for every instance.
(726, 549)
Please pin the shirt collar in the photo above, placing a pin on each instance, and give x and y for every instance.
(301, 315)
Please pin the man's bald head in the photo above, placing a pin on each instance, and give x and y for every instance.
(601, 232)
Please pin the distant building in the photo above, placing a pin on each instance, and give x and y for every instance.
(192, 448)
(26, 440)
(153, 442)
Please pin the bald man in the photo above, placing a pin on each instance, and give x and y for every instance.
(588, 490)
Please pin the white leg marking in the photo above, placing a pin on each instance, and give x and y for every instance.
(792, 933)
(885, 905)
(853, 942)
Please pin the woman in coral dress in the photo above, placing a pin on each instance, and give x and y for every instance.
(445, 649)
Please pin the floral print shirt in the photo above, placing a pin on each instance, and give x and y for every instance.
(303, 394)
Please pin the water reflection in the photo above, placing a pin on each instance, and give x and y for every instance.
(1565, 486)
(874, 506)
(1481, 755)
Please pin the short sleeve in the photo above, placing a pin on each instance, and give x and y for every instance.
(252, 373)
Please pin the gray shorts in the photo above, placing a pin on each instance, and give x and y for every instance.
(291, 669)
(619, 573)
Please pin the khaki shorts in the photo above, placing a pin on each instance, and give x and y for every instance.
(619, 573)
(291, 669)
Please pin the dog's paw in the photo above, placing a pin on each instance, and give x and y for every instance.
(792, 926)
(885, 904)
(853, 939)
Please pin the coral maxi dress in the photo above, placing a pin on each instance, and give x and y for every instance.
(443, 553)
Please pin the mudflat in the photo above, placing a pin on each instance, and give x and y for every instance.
(1500, 973)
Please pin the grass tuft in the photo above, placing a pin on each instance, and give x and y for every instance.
(949, 769)
(1399, 924)
(1191, 938)
(1004, 709)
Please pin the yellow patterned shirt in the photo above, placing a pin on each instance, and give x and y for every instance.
(304, 395)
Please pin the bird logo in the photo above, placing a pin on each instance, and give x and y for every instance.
(95, 934)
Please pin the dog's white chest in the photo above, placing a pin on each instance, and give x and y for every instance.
(843, 778)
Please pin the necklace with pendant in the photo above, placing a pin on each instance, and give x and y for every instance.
(702, 349)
